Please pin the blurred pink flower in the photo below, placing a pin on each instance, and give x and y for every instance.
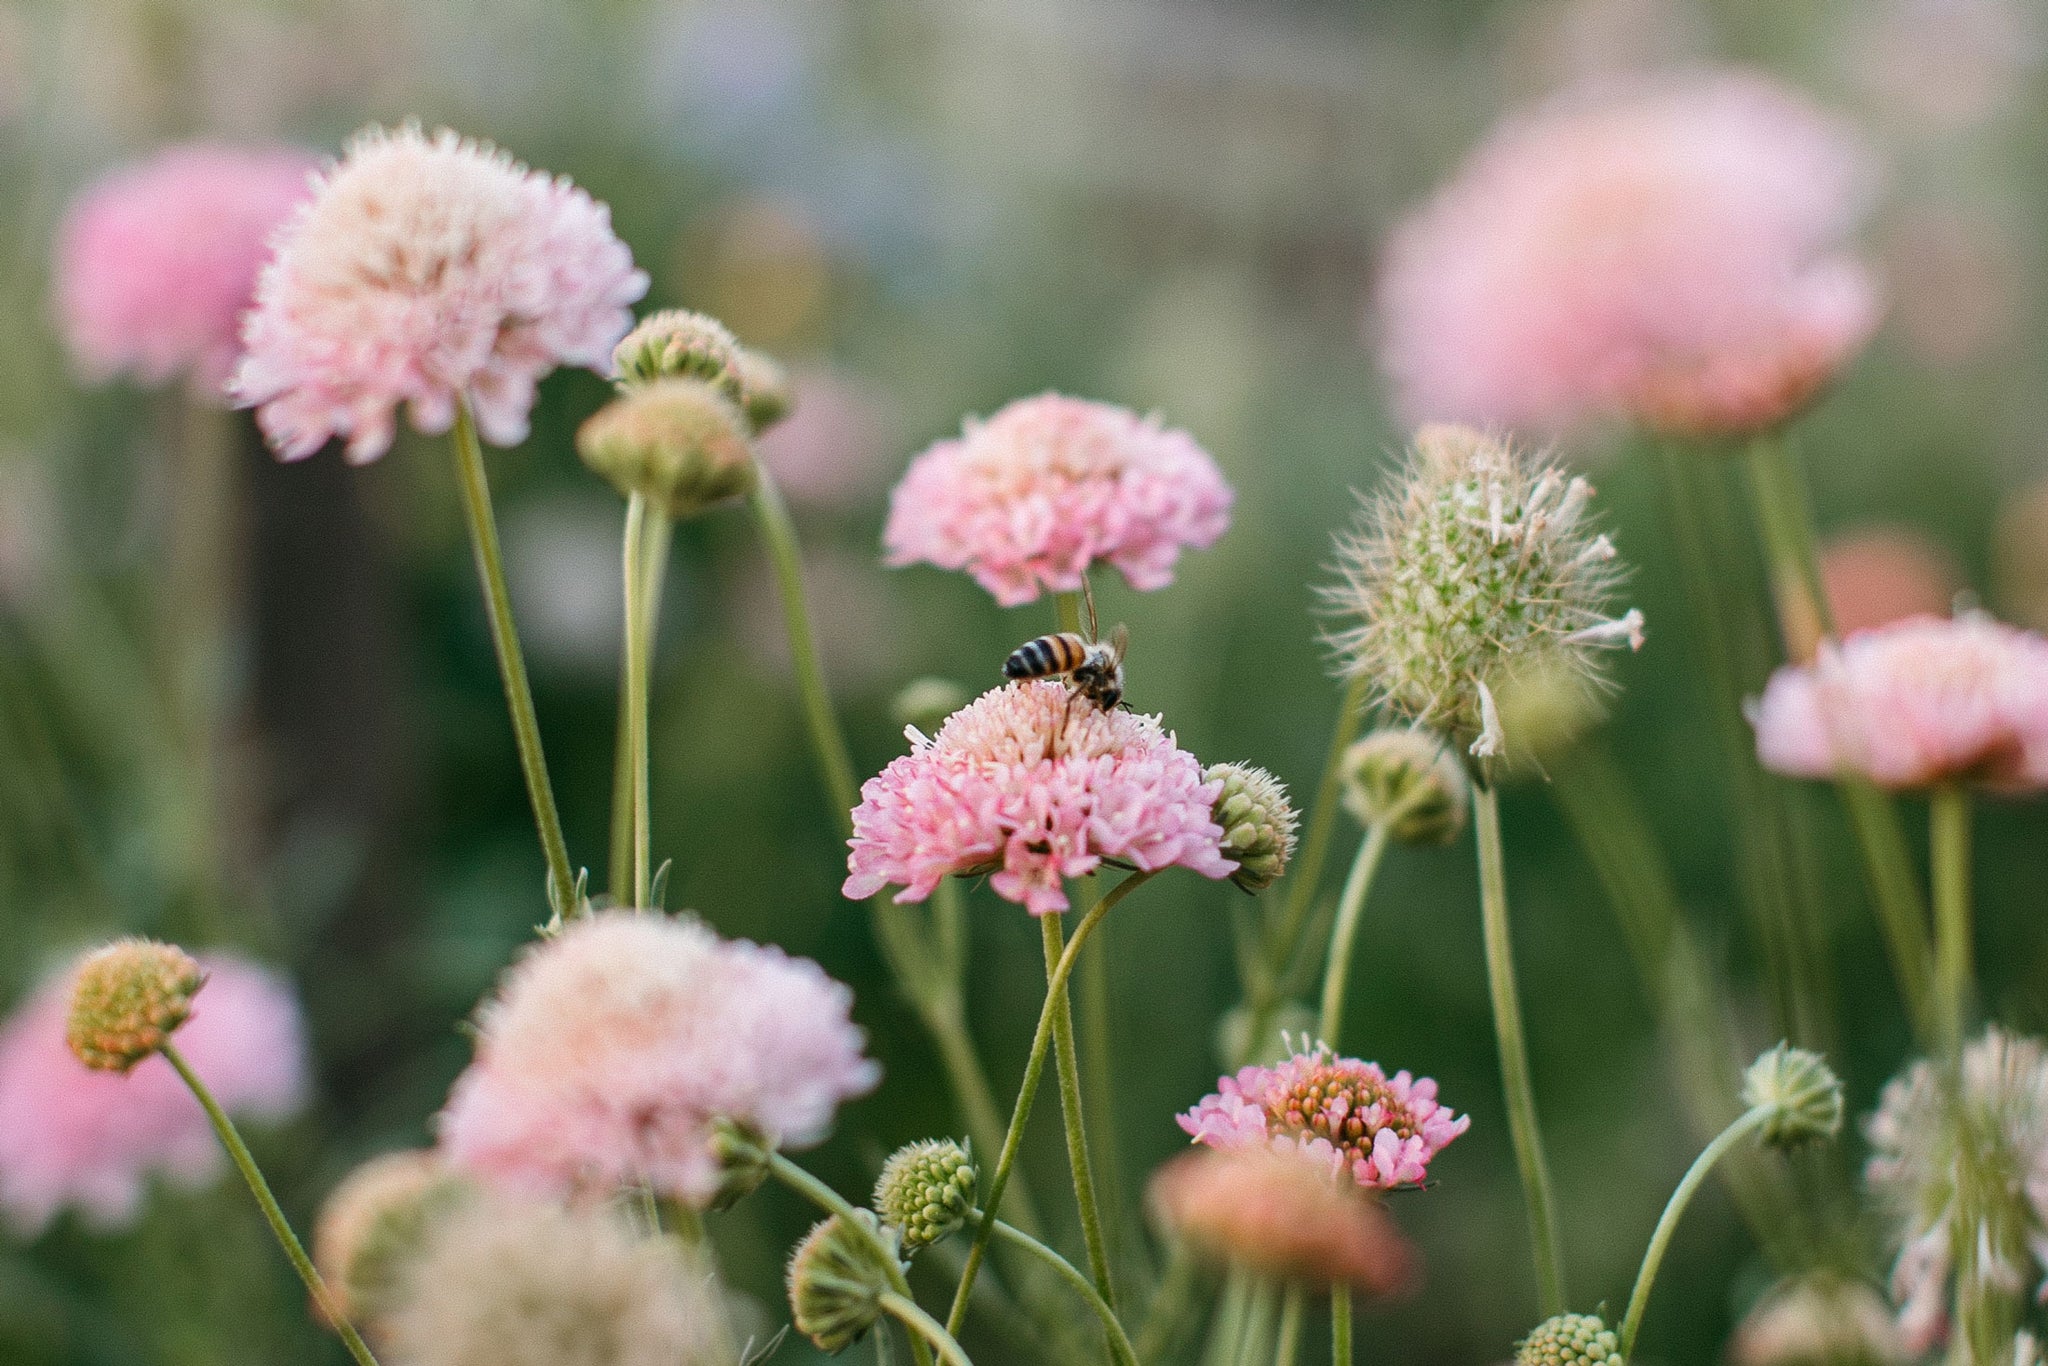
(74, 1137)
(610, 1050)
(1032, 497)
(1345, 1113)
(1034, 786)
(1919, 702)
(157, 262)
(829, 451)
(1881, 574)
(429, 271)
(1673, 251)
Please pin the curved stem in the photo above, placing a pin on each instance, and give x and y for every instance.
(1660, 1240)
(923, 1327)
(490, 567)
(1288, 1345)
(1119, 1343)
(1027, 1090)
(1067, 1067)
(1514, 1052)
(1340, 1326)
(1337, 972)
(258, 1187)
(1949, 838)
(832, 1202)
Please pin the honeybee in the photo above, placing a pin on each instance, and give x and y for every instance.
(1094, 669)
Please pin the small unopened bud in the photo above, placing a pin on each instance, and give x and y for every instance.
(371, 1229)
(927, 1190)
(676, 343)
(836, 1282)
(1258, 823)
(766, 394)
(1409, 780)
(742, 1164)
(1570, 1340)
(127, 1000)
(1802, 1093)
(925, 703)
(680, 442)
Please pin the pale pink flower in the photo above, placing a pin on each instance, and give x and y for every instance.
(1672, 250)
(72, 1137)
(1029, 499)
(1881, 574)
(1283, 1214)
(830, 451)
(1916, 703)
(610, 1051)
(429, 271)
(1347, 1114)
(157, 262)
(1033, 786)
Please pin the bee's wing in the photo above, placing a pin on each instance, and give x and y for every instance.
(1119, 641)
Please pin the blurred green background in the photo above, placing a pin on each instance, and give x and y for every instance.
(929, 208)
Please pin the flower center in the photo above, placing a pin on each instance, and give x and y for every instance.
(1346, 1107)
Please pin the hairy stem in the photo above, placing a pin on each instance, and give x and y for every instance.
(1120, 1348)
(1340, 1326)
(1667, 1224)
(1949, 838)
(924, 1328)
(1067, 1066)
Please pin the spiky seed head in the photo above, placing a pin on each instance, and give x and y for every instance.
(681, 442)
(1479, 560)
(766, 394)
(925, 703)
(1411, 781)
(1258, 821)
(926, 1191)
(677, 343)
(1570, 1340)
(1802, 1093)
(836, 1282)
(127, 1000)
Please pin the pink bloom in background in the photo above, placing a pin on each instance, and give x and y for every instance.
(1345, 1113)
(610, 1050)
(157, 262)
(1035, 787)
(1882, 574)
(72, 1137)
(1672, 251)
(830, 450)
(1919, 702)
(428, 271)
(1029, 499)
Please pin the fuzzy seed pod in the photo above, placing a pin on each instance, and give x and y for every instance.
(1803, 1093)
(1258, 823)
(373, 1225)
(127, 1000)
(677, 343)
(1410, 779)
(926, 1191)
(681, 442)
(836, 1283)
(1570, 1340)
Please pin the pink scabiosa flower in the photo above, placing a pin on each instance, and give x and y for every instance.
(71, 1137)
(1034, 786)
(1029, 499)
(612, 1050)
(1914, 704)
(429, 271)
(157, 262)
(1347, 1114)
(1672, 251)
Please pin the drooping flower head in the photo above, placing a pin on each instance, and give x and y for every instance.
(1962, 1173)
(1478, 563)
(157, 262)
(1672, 251)
(429, 271)
(1920, 702)
(1029, 499)
(836, 1280)
(1281, 1213)
(1815, 1320)
(1348, 1115)
(1033, 786)
(91, 1140)
(611, 1050)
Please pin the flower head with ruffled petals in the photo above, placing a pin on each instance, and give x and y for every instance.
(1382, 1130)
(1034, 786)
(1029, 499)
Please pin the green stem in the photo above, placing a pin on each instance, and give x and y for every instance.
(1264, 1308)
(258, 1187)
(1027, 1090)
(634, 555)
(1288, 1345)
(1337, 972)
(1340, 1326)
(832, 1202)
(1514, 1053)
(1170, 1304)
(1660, 1240)
(1068, 1068)
(1119, 1344)
(490, 567)
(1949, 837)
(1226, 1333)
(923, 1327)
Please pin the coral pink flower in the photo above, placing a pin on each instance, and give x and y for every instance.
(610, 1050)
(1672, 251)
(91, 1140)
(157, 262)
(1030, 498)
(1034, 786)
(1919, 702)
(429, 271)
(1345, 1113)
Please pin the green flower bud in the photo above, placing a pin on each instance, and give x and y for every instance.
(680, 442)
(1570, 1340)
(1258, 823)
(1410, 780)
(836, 1283)
(1802, 1093)
(743, 1164)
(766, 394)
(926, 1191)
(676, 343)
(127, 1000)
(926, 703)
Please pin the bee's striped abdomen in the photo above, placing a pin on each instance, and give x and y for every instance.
(1046, 656)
